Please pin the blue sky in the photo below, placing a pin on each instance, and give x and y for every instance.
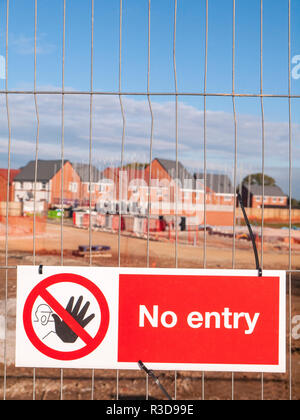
(190, 55)
(189, 46)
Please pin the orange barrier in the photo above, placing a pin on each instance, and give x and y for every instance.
(22, 225)
(115, 223)
(172, 233)
(86, 220)
(219, 218)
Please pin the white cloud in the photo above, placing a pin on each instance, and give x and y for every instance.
(108, 125)
(24, 45)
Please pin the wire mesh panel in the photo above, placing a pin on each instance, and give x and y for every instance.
(98, 91)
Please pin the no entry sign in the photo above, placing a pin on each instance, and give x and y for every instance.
(83, 317)
(71, 325)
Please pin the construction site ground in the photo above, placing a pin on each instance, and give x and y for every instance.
(57, 246)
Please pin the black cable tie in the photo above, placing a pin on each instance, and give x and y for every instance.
(151, 374)
(41, 269)
(258, 267)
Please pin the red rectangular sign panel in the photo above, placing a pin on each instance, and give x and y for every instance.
(207, 320)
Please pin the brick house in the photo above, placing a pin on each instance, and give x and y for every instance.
(173, 190)
(129, 188)
(219, 190)
(126, 187)
(48, 186)
(274, 197)
(165, 196)
(3, 183)
(89, 180)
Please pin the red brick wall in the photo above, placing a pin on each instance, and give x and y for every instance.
(268, 202)
(69, 176)
(159, 173)
(3, 189)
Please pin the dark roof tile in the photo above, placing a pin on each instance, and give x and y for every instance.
(270, 190)
(46, 169)
(219, 183)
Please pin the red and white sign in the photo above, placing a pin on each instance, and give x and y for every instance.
(73, 327)
(84, 317)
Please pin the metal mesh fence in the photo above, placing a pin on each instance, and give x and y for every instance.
(93, 383)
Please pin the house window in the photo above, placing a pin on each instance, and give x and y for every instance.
(159, 193)
(257, 198)
(44, 185)
(227, 198)
(274, 199)
(73, 186)
(102, 188)
(281, 200)
(91, 188)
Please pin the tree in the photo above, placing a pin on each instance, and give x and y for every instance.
(257, 179)
(295, 204)
(135, 165)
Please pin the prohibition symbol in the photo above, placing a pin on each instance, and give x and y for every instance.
(68, 319)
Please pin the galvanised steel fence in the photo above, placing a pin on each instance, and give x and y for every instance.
(8, 271)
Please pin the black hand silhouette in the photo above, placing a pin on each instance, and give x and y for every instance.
(63, 331)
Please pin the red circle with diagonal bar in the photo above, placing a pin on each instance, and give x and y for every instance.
(91, 343)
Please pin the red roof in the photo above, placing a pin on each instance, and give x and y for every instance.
(13, 173)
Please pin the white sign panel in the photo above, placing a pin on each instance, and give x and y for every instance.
(86, 317)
